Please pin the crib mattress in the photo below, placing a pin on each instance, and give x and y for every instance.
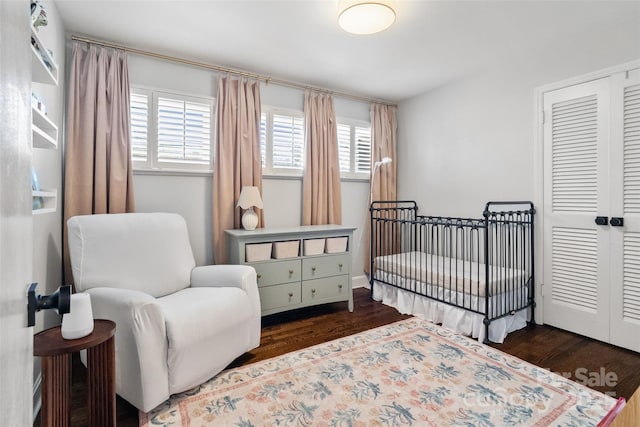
(451, 274)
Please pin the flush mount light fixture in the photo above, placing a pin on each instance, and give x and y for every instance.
(366, 17)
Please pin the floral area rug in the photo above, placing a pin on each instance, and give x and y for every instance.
(409, 373)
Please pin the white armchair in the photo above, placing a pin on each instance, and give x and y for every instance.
(177, 325)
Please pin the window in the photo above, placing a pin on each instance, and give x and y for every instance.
(171, 131)
(354, 148)
(282, 142)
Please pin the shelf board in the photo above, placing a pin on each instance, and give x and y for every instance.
(45, 132)
(42, 140)
(42, 73)
(42, 211)
(45, 193)
(42, 121)
(49, 201)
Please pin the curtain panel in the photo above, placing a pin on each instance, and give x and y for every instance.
(321, 196)
(98, 175)
(237, 160)
(382, 183)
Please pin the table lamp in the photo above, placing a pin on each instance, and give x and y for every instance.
(249, 198)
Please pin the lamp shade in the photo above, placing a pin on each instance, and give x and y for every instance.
(366, 16)
(249, 197)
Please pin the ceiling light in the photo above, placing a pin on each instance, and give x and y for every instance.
(366, 17)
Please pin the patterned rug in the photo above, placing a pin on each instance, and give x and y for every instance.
(408, 373)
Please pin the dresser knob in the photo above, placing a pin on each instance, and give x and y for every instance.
(290, 295)
(340, 266)
(313, 269)
(259, 276)
(313, 291)
(290, 272)
(340, 287)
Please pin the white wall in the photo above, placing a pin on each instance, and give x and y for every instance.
(472, 141)
(190, 196)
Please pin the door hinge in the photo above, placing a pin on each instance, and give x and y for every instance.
(544, 117)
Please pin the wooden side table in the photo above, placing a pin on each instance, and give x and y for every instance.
(56, 374)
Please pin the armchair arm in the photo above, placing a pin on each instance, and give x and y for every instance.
(142, 375)
(223, 276)
(240, 276)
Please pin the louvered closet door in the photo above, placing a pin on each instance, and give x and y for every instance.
(625, 197)
(576, 190)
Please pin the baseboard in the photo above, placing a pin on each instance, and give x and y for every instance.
(360, 282)
(37, 395)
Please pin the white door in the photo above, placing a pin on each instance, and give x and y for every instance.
(625, 203)
(576, 186)
(16, 339)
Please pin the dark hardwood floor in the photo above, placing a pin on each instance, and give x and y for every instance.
(582, 358)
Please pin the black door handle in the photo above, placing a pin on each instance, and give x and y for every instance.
(617, 221)
(602, 220)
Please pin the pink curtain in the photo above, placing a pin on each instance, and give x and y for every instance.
(322, 198)
(98, 174)
(237, 156)
(383, 144)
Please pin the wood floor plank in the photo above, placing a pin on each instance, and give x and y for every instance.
(544, 346)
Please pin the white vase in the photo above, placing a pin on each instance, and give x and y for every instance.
(78, 322)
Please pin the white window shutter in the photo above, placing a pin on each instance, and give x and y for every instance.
(139, 111)
(288, 142)
(184, 131)
(344, 147)
(362, 149)
(263, 139)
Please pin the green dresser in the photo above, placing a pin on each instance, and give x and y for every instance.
(296, 266)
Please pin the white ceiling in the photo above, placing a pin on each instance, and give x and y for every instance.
(430, 44)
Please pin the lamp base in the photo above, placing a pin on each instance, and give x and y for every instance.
(249, 219)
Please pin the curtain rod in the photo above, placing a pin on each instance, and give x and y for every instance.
(259, 77)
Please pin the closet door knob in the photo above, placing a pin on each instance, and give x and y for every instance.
(617, 221)
(602, 220)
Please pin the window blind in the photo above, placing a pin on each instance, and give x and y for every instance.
(287, 142)
(139, 108)
(362, 149)
(344, 147)
(184, 131)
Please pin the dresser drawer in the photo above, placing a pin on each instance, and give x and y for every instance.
(278, 296)
(274, 273)
(334, 288)
(325, 266)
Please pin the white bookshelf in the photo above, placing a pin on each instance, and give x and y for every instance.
(44, 131)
